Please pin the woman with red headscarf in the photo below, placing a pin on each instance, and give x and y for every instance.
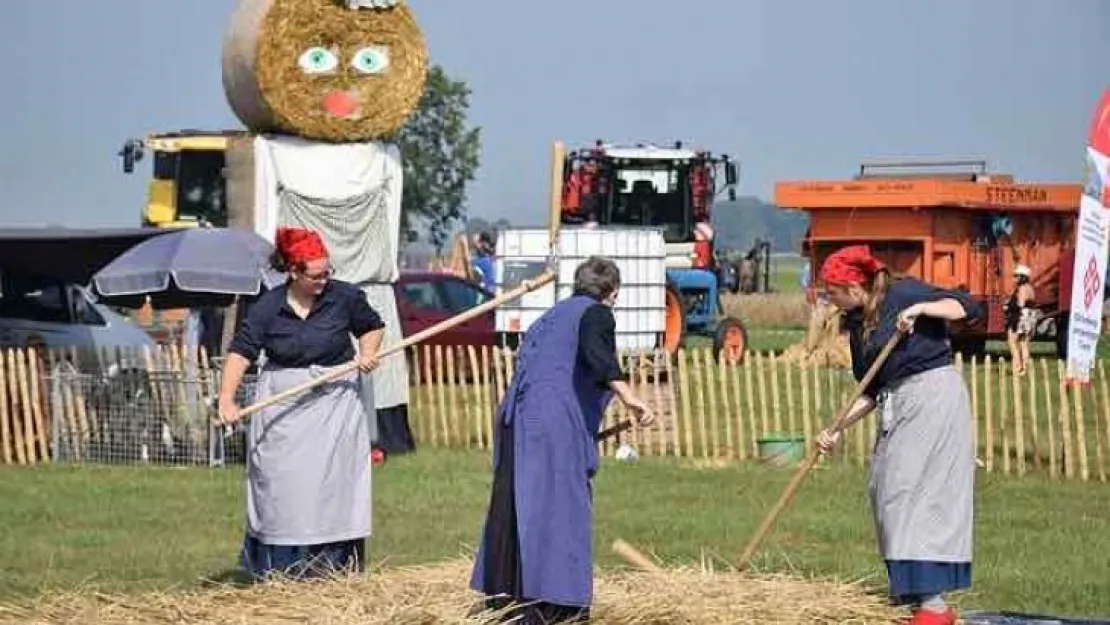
(308, 458)
(922, 472)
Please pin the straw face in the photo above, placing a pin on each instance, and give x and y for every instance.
(321, 70)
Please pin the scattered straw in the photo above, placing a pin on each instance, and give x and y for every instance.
(269, 91)
(438, 594)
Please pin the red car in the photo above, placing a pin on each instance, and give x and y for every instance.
(425, 298)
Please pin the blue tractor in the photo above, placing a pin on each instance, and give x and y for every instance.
(672, 188)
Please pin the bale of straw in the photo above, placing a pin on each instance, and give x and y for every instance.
(824, 344)
(269, 91)
(439, 594)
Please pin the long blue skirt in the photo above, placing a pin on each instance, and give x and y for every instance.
(301, 562)
(911, 581)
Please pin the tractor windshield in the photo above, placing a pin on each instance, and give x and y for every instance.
(646, 194)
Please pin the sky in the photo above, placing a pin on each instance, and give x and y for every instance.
(793, 89)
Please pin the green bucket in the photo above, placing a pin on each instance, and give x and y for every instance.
(782, 450)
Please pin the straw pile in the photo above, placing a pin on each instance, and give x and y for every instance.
(270, 90)
(823, 344)
(438, 594)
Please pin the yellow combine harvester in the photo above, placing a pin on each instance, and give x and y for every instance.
(188, 187)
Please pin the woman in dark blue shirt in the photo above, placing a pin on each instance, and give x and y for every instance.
(308, 458)
(923, 466)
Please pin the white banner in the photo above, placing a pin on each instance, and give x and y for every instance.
(1091, 248)
(1085, 323)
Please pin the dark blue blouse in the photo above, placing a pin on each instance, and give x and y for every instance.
(323, 338)
(927, 348)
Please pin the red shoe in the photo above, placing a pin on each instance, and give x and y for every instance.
(928, 617)
(377, 457)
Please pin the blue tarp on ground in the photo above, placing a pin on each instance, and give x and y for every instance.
(1013, 618)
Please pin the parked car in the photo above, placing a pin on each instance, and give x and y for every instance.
(116, 388)
(59, 315)
(425, 298)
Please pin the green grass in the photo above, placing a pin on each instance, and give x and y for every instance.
(1040, 546)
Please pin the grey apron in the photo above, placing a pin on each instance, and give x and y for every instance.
(922, 475)
(308, 462)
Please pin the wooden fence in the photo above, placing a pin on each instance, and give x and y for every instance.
(706, 411)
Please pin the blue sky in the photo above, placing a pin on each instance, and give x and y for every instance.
(792, 88)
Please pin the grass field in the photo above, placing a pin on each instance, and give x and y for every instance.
(1040, 546)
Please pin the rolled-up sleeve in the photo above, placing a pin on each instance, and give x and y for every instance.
(597, 343)
(250, 336)
(916, 292)
(363, 317)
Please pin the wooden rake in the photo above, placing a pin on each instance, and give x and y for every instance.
(526, 286)
(811, 460)
(634, 557)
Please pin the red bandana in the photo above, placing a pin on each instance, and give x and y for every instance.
(299, 246)
(850, 265)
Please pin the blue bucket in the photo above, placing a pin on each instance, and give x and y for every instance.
(782, 450)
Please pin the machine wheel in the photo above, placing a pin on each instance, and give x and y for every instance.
(730, 341)
(674, 333)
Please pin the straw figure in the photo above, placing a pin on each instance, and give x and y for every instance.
(325, 85)
(327, 70)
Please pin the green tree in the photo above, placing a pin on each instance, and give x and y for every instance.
(439, 153)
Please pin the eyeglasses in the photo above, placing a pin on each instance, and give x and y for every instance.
(319, 277)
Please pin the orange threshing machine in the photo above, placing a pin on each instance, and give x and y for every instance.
(953, 224)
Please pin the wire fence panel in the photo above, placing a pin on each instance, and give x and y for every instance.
(136, 417)
(158, 408)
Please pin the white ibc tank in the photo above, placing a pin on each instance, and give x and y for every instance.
(640, 254)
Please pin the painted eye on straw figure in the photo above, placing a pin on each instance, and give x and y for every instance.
(371, 60)
(318, 61)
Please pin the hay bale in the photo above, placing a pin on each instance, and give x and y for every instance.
(323, 71)
(439, 594)
(824, 344)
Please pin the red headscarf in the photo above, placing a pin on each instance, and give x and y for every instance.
(851, 265)
(299, 246)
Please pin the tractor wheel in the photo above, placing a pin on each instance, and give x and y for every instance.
(674, 333)
(730, 341)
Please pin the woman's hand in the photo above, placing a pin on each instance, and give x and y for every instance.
(229, 410)
(826, 440)
(367, 361)
(644, 415)
(908, 317)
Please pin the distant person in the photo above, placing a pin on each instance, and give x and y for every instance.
(482, 262)
(1021, 319)
(922, 470)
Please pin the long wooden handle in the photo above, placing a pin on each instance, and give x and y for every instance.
(633, 556)
(526, 286)
(611, 431)
(811, 460)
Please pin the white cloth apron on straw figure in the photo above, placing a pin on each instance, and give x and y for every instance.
(351, 194)
(922, 474)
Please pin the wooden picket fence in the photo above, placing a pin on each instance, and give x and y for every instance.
(714, 413)
(718, 413)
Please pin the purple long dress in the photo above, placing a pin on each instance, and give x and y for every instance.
(537, 540)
